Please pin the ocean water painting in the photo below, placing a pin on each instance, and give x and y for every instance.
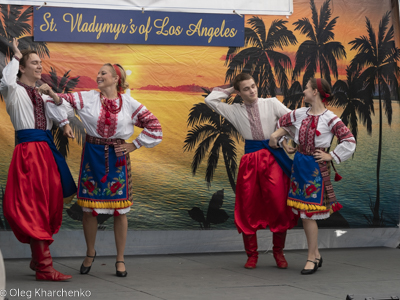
(172, 80)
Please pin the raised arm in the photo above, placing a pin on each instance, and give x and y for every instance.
(47, 90)
(58, 110)
(9, 79)
(17, 52)
(215, 101)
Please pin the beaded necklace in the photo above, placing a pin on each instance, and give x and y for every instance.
(108, 106)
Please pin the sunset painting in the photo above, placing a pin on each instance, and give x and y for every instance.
(336, 40)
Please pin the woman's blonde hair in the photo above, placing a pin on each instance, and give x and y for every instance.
(122, 85)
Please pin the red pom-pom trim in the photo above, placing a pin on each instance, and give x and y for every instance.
(94, 213)
(116, 213)
(104, 179)
(337, 206)
(338, 177)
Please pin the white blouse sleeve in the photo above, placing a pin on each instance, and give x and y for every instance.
(55, 112)
(75, 100)
(347, 143)
(288, 122)
(214, 101)
(8, 84)
(151, 134)
(72, 102)
(279, 108)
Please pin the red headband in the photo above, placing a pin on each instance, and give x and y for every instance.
(117, 70)
(321, 91)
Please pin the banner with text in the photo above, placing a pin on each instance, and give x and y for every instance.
(62, 24)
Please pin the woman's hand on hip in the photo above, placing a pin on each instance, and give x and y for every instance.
(321, 156)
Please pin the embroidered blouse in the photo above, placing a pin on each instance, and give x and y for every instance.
(317, 131)
(100, 122)
(27, 109)
(254, 122)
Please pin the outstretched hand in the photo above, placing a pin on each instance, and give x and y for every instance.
(15, 49)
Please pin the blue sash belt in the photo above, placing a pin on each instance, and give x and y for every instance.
(38, 135)
(280, 155)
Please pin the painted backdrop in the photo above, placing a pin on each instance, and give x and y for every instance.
(187, 182)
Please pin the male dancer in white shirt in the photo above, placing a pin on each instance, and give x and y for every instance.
(38, 177)
(262, 185)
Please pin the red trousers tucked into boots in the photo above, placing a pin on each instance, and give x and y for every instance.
(250, 245)
(278, 239)
(43, 263)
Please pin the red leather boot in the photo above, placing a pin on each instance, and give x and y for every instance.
(44, 266)
(32, 265)
(250, 245)
(278, 239)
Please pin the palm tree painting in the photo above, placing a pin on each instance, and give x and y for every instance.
(65, 84)
(355, 97)
(212, 133)
(320, 50)
(377, 56)
(16, 24)
(293, 98)
(15, 21)
(260, 58)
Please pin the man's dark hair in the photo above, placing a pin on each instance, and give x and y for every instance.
(25, 55)
(239, 78)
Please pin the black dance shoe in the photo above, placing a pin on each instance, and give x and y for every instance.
(310, 271)
(119, 273)
(319, 261)
(85, 270)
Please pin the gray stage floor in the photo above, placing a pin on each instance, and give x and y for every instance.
(358, 271)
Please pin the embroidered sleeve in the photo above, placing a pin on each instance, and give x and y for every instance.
(151, 134)
(287, 120)
(347, 143)
(56, 112)
(214, 101)
(74, 99)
